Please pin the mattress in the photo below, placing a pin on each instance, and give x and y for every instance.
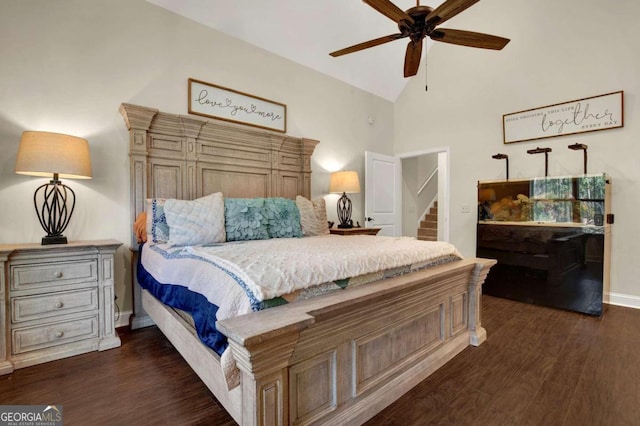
(220, 281)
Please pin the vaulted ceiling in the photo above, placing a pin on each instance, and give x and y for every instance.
(306, 31)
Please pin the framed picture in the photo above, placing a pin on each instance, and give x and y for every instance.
(583, 115)
(210, 100)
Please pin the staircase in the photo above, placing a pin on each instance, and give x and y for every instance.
(428, 230)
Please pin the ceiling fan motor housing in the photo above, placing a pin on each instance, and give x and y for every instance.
(419, 22)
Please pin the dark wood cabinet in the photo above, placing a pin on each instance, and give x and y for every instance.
(550, 237)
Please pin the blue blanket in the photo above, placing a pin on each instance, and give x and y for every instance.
(202, 311)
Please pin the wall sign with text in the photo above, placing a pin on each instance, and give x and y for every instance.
(210, 100)
(583, 115)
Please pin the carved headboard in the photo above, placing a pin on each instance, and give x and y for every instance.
(178, 156)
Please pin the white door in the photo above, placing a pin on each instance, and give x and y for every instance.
(383, 193)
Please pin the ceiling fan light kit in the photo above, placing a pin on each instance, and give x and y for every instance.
(419, 22)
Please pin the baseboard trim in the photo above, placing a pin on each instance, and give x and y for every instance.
(622, 300)
(123, 320)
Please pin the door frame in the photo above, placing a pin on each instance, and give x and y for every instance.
(444, 184)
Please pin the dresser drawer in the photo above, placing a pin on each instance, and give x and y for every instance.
(25, 277)
(27, 308)
(33, 338)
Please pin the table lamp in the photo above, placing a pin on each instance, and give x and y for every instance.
(48, 154)
(345, 182)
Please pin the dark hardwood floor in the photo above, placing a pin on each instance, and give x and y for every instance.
(539, 366)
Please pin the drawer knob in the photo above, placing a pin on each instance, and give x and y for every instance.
(59, 305)
(58, 274)
(59, 334)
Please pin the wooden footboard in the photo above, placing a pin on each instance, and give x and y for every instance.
(344, 357)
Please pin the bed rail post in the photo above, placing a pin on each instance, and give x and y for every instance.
(262, 345)
(477, 333)
(138, 120)
(265, 380)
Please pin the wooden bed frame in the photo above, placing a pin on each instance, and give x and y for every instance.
(335, 359)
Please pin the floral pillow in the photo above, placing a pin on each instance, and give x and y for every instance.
(245, 219)
(157, 227)
(282, 218)
(195, 222)
(313, 216)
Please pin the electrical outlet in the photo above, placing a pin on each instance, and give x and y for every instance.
(465, 208)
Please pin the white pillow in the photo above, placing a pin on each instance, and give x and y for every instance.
(313, 216)
(194, 222)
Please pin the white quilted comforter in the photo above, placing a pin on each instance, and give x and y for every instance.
(275, 267)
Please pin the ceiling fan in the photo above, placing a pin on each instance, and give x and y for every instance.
(420, 22)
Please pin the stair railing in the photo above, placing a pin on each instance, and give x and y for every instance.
(426, 182)
(424, 185)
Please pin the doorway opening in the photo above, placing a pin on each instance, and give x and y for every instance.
(425, 194)
(392, 184)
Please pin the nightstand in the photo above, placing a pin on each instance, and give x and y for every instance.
(354, 231)
(59, 299)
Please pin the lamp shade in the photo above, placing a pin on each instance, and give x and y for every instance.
(344, 182)
(45, 154)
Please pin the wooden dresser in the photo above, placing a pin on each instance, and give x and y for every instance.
(55, 301)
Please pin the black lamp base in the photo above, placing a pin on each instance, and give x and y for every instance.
(344, 212)
(54, 203)
(54, 239)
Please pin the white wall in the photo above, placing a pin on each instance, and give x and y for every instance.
(67, 65)
(410, 186)
(559, 51)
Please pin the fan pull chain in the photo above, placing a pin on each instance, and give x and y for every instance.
(426, 79)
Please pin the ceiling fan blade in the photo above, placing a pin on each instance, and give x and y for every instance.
(469, 38)
(449, 9)
(412, 58)
(366, 45)
(390, 10)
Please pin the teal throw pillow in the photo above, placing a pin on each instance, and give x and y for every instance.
(282, 218)
(244, 219)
